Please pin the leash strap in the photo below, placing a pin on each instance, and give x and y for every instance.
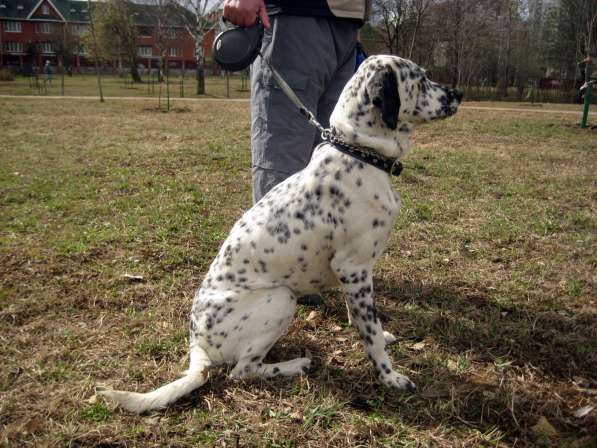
(292, 96)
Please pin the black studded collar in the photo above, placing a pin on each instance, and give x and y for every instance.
(391, 166)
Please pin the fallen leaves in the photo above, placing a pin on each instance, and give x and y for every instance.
(133, 278)
(544, 428)
(585, 410)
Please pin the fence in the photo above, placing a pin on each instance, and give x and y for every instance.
(176, 84)
(180, 83)
(528, 94)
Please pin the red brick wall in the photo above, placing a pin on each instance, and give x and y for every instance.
(30, 32)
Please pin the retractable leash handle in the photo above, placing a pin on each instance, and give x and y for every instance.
(236, 48)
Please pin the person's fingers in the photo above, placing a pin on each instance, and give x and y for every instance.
(264, 17)
(237, 15)
(246, 13)
(228, 12)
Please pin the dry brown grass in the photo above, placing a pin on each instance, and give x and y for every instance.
(488, 282)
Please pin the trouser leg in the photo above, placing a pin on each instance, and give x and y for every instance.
(311, 54)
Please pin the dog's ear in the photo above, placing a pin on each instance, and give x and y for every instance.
(383, 91)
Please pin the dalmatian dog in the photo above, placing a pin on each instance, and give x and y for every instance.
(323, 227)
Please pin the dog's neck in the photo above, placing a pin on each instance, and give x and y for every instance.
(390, 143)
(359, 124)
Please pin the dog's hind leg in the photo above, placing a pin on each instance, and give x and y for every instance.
(195, 377)
(270, 315)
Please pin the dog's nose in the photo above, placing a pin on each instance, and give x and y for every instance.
(458, 95)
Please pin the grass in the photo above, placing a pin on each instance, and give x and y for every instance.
(113, 86)
(488, 281)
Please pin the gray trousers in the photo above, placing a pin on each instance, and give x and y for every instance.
(316, 57)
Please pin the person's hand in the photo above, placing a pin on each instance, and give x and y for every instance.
(245, 12)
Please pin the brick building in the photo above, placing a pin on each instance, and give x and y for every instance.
(29, 30)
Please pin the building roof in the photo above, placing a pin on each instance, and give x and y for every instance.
(16, 9)
(71, 10)
(77, 11)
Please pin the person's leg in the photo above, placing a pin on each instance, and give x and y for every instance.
(264, 180)
(305, 52)
(345, 36)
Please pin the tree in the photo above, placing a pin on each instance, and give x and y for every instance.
(570, 32)
(164, 17)
(95, 51)
(199, 18)
(117, 33)
(32, 51)
(65, 45)
(418, 12)
(501, 43)
(390, 16)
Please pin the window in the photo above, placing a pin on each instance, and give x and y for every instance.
(175, 52)
(79, 29)
(144, 51)
(45, 10)
(12, 27)
(144, 31)
(44, 28)
(82, 49)
(14, 47)
(46, 47)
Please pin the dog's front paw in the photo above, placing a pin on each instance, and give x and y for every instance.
(394, 379)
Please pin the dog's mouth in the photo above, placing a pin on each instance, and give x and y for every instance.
(448, 104)
(454, 100)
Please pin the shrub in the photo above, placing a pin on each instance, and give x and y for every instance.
(6, 75)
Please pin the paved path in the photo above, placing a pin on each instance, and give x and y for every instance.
(241, 100)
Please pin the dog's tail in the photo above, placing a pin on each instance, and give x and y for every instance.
(138, 403)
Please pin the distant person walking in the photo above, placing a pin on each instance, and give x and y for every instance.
(48, 72)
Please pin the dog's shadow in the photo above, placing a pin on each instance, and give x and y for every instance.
(463, 348)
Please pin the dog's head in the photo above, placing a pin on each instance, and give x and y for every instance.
(382, 101)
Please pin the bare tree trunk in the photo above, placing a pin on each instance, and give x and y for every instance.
(200, 72)
(62, 59)
(97, 70)
(590, 49)
(135, 72)
(167, 85)
(504, 69)
(412, 42)
(62, 75)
